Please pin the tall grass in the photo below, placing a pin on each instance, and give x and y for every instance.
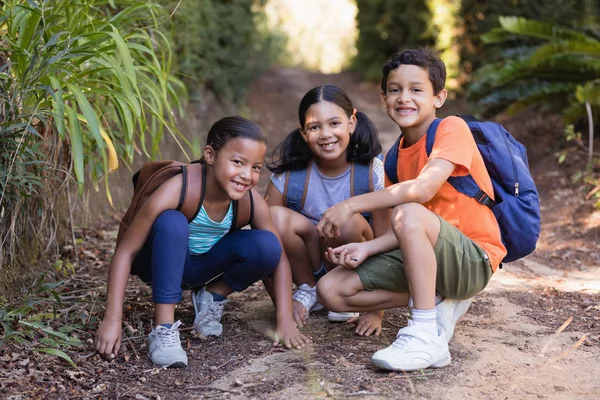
(84, 84)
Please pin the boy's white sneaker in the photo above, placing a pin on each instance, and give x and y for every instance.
(164, 347)
(208, 313)
(448, 312)
(307, 296)
(341, 316)
(413, 349)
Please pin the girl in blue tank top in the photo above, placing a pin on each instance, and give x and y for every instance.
(171, 253)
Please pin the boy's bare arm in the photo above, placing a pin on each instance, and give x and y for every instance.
(419, 190)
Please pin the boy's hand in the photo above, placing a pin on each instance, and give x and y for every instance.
(350, 255)
(367, 323)
(289, 335)
(333, 219)
(108, 338)
(299, 313)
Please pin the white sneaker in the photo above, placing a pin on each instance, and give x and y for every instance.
(307, 296)
(164, 347)
(341, 316)
(448, 312)
(413, 349)
(208, 313)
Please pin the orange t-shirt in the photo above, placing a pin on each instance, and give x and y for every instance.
(454, 142)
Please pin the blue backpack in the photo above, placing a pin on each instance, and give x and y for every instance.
(296, 185)
(516, 205)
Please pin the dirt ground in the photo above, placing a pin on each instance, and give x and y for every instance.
(533, 333)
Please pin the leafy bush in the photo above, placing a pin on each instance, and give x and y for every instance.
(387, 26)
(222, 45)
(480, 17)
(553, 66)
(82, 84)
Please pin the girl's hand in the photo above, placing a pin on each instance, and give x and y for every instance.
(108, 338)
(300, 313)
(333, 219)
(289, 335)
(350, 255)
(367, 324)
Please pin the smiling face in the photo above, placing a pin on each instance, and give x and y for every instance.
(409, 99)
(237, 165)
(327, 130)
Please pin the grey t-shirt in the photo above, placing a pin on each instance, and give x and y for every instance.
(324, 191)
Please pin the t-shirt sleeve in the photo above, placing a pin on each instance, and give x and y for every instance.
(378, 175)
(278, 181)
(454, 142)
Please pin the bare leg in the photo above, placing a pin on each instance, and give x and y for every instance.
(164, 313)
(301, 244)
(342, 290)
(417, 230)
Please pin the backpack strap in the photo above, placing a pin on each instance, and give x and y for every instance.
(464, 184)
(192, 192)
(361, 178)
(295, 188)
(390, 161)
(243, 212)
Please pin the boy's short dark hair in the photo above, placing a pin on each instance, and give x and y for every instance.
(422, 57)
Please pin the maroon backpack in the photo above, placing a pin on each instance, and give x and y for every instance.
(155, 173)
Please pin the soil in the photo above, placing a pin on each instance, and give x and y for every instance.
(533, 333)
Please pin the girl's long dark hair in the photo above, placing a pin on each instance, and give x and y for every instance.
(294, 154)
(229, 128)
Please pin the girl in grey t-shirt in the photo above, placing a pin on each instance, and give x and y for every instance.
(329, 158)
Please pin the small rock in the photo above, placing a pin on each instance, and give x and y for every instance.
(142, 379)
(238, 382)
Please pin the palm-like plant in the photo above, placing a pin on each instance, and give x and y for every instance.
(549, 65)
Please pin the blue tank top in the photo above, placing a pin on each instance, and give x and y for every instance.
(204, 232)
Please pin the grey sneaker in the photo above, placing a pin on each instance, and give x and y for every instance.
(333, 316)
(448, 312)
(208, 313)
(307, 296)
(164, 347)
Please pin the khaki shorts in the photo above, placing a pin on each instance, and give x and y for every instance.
(463, 268)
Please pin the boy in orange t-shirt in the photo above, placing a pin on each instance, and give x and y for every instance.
(443, 246)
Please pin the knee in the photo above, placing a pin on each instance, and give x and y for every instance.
(327, 293)
(171, 223)
(266, 248)
(357, 229)
(407, 219)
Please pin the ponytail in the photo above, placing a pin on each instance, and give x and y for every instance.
(364, 143)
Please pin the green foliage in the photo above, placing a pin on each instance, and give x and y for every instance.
(28, 324)
(387, 26)
(560, 69)
(222, 45)
(95, 74)
(480, 17)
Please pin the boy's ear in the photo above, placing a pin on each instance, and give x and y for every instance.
(440, 98)
(209, 154)
(382, 95)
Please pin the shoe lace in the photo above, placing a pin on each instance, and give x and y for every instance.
(215, 309)
(169, 337)
(306, 297)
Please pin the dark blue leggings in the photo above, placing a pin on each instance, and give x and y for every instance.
(242, 257)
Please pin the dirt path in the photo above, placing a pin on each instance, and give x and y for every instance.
(507, 346)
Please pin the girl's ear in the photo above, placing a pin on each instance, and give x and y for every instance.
(352, 124)
(209, 154)
(303, 134)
